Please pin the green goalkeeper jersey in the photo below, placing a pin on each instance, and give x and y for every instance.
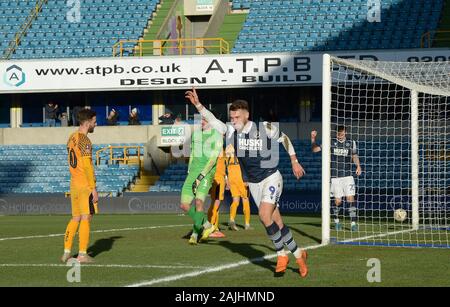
(205, 148)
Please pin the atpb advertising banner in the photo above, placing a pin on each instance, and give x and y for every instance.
(172, 72)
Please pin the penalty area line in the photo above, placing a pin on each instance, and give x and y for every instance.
(234, 265)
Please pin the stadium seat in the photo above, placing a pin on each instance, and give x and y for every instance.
(270, 18)
(52, 24)
(27, 169)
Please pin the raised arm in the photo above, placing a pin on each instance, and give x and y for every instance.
(314, 146)
(209, 117)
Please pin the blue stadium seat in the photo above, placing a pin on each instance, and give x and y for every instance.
(27, 169)
(273, 18)
(52, 23)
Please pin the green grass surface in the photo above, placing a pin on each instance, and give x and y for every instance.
(161, 256)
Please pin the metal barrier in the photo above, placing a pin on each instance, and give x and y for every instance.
(126, 157)
(177, 46)
(427, 42)
(23, 29)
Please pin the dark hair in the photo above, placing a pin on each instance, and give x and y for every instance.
(85, 115)
(341, 128)
(239, 105)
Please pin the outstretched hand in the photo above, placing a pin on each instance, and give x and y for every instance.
(192, 96)
(298, 170)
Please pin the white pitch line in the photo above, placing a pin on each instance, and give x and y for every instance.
(377, 236)
(118, 266)
(96, 231)
(236, 264)
(210, 270)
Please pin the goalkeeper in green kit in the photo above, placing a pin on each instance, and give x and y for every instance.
(206, 146)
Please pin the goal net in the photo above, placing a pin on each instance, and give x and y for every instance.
(398, 114)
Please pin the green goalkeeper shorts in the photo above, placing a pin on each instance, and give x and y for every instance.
(187, 196)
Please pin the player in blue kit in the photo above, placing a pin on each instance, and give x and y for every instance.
(255, 150)
(343, 154)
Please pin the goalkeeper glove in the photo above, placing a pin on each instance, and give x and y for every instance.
(93, 207)
(197, 183)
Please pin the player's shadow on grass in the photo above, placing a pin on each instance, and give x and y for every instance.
(304, 234)
(102, 245)
(249, 251)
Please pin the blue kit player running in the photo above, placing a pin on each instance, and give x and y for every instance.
(265, 180)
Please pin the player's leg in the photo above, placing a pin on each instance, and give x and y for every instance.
(72, 226)
(247, 213)
(246, 208)
(352, 211)
(272, 190)
(85, 226)
(350, 197)
(215, 214)
(338, 192)
(266, 210)
(233, 213)
(216, 197)
(200, 220)
(336, 213)
(84, 236)
(187, 196)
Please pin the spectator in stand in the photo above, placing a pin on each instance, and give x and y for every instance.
(167, 118)
(64, 120)
(51, 113)
(134, 118)
(178, 120)
(112, 118)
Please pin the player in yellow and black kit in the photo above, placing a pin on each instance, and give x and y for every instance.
(83, 192)
(238, 189)
(217, 193)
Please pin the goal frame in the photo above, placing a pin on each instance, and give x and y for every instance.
(326, 149)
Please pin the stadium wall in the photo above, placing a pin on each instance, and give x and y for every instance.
(117, 134)
(196, 8)
(168, 202)
(216, 20)
(142, 203)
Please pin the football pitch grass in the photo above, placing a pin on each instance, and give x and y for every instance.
(152, 250)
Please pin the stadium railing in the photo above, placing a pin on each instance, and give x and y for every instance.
(127, 154)
(429, 38)
(23, 29)
(179, 46)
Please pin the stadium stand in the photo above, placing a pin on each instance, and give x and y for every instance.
(173, 177)
(307, 25)
(43, 169)
(270, 26)
(103, 23)
(398, 176)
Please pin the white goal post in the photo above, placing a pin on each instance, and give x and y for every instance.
(398, 115)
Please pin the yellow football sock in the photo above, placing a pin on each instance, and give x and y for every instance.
(233, 210)
(215, 216)
(246, 209)
(71, 230)
(84, 236)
